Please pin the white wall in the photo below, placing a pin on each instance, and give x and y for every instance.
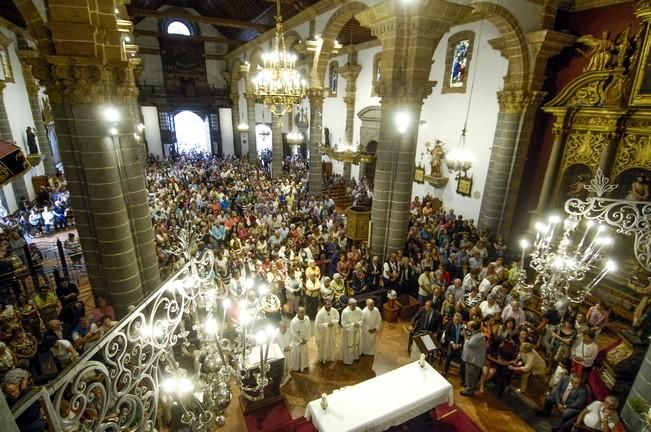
(152, 130)
(16, 102)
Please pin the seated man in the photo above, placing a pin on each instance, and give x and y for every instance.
(598, 416)
(569, 397)
(529, 362)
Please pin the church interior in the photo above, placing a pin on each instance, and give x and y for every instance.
(325, 215)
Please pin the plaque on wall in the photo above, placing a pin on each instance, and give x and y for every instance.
(464, 185)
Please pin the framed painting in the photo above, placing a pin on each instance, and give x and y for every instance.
(419, 175)
(464, 185)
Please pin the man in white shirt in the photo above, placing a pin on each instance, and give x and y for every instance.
(600, 416)
(513, 311)
(351, 321)
(299, 330)
(371, 322)
(325, 332)
(425, 286)
(487, 284)
(85, 334)
(584, 352)
(48, 219)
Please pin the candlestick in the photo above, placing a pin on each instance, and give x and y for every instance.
(421, 362)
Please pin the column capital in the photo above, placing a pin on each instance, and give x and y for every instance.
(414, 92)
(315, 96)
(235, 97)
(350, 71)
(82, 80)
(548, 43)
(250, 98)
(518, 101)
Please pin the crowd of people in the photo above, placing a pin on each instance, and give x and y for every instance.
(274, 232)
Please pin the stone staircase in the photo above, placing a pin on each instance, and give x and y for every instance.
(338, 194)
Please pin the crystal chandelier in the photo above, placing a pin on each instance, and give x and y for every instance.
(278, 84)
(460, 160)
(221, 354)
(295, 137)
(559, 259)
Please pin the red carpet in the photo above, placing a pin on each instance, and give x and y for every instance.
(272, 418)
(452, 419)
(445, 419)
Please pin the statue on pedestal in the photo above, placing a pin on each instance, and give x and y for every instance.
(438, 154)
(31, 140)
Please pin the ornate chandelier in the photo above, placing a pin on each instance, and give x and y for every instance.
(460, 159)
(278, 84)
(295, 137)
(562, 255)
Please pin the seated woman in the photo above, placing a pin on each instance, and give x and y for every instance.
(103, 308)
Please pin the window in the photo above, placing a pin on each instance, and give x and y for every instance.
(178, 28)
(457, 62)
(333, 78)
(6, 74)
(376, 73)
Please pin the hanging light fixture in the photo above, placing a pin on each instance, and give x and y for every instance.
(242, 126)
(278, 84)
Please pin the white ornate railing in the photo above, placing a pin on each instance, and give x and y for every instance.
(115, 386)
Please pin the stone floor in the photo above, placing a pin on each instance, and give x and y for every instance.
(486, 410)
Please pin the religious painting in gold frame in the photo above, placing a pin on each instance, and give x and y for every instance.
(641, 94)
(464, 185)
(419, 174)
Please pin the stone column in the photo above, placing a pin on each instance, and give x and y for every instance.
(405, 69)
(553, 164)
(250, 115)
(17, 184)
(277, 151)
(641, 389)
(350, 72)
(39, 126)
(101, 156)
(235, 113)
(512, 135)
(315, 182)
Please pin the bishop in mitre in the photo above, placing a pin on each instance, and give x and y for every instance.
(325, 332)
(371, 322)
(299, 330)
(284, 341)
(351, 321)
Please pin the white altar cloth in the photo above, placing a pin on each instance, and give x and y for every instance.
(382, 402)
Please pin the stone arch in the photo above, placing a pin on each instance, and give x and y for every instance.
(515, 43)
(369, 130)
(330, 32)
(35, 25)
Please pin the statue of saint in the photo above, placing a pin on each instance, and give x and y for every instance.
(31, 140)
(438, 154)
(600, 52)
(639, 190)
(578, 190)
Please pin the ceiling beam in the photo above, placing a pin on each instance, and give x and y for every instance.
(195, 38)
(221, 22)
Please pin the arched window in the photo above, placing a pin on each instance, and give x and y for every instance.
(376, 73)
(457, 62)
(178, 28)
(333, 78)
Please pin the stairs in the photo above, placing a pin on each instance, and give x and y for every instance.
(338, 194)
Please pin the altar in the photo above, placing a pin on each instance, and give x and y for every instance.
(382, 402)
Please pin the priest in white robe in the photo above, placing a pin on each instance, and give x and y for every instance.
(284, 341)
(351, 321)
(325, 332)
(371, 322)
(299, 330)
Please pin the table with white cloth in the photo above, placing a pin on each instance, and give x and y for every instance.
(382, 402)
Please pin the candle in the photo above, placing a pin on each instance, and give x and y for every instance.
(421, 362)
(324, 401)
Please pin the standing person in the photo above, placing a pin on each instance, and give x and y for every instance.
(454, 338)
(371, 323)
(325, 332)
(425, 286)
(312, 292)
(426, 320)
(473, 357)
(597, 318)
(299, 330)
(284, 340)
(391, 273)
(374, 273)
(351, 321)
(584, 353)
(73, 248)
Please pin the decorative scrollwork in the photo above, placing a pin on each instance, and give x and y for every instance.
(627, 217)
(600, 185)
(633, 152)
(584, 147)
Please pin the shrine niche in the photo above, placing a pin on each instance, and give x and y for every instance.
(599, 128)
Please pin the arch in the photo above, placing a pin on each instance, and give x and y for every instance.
(35, 25)
(291, 38)
(371, 146)
(515, 43)
(178, 27)
(329, 34)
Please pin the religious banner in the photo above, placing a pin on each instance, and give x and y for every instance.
(12, 162)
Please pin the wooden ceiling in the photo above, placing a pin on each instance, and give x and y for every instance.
(9, 12)
(354, 33)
